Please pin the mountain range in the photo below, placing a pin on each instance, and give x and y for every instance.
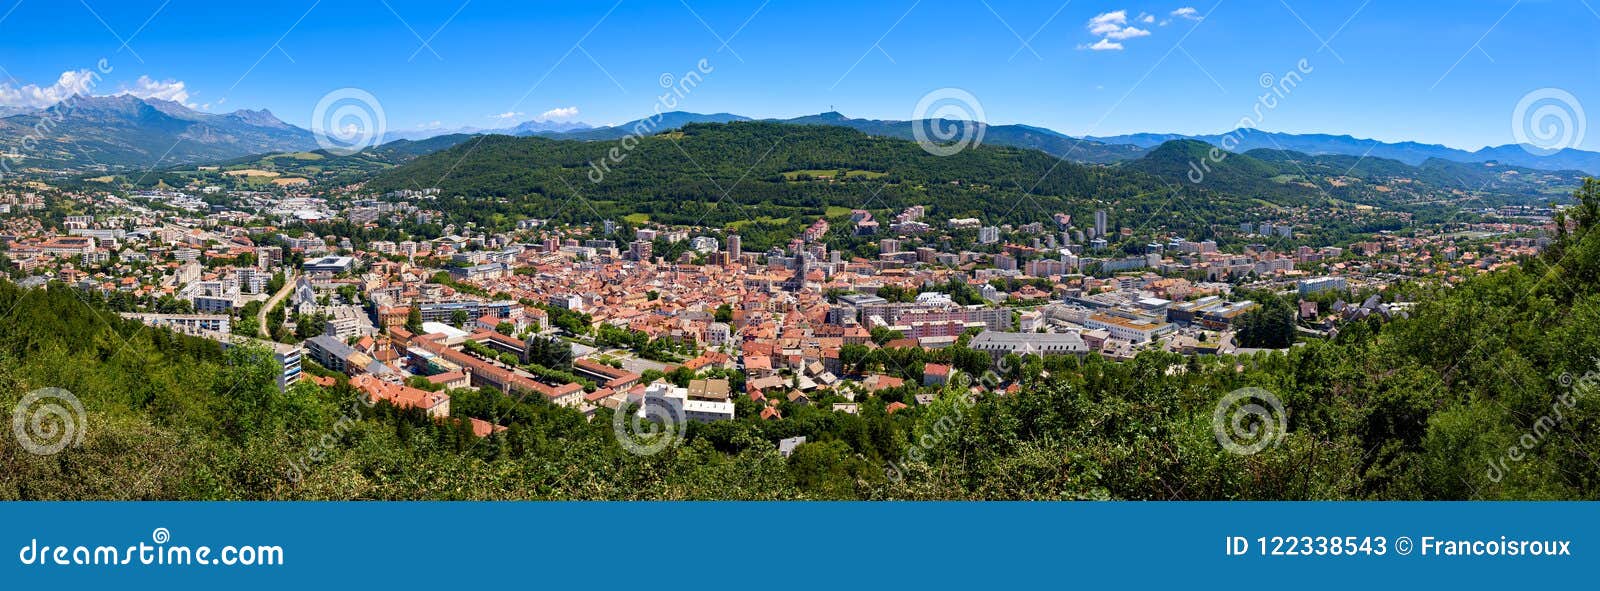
(531, 127)
(113, 132)
(1412, 153)
(121, 132)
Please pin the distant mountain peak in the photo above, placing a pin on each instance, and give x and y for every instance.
(260, 117)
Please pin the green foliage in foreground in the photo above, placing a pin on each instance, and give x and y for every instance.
(1426, 407)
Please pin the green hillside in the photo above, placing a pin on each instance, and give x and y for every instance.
(762, 167)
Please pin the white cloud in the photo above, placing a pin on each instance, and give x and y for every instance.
(1108, 22)
(167, 90)
(1112, 27)
(1187, 12)
(1128, 33)
(428, 125)
(507, 115)
(83, 82)
(71, 82)
(1147, 18)
(559, 113)
(1105, 45)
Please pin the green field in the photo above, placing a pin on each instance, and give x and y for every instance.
(828, 174)
(763, 219)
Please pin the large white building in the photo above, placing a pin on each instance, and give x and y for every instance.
(1133, 330)
(678, 400)
(999, 344)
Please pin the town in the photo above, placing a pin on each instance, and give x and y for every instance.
(606, 314)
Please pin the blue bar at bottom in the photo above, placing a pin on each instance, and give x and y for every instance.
(795, 545)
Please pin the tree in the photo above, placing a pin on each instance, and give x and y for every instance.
(414, 320)
(1267, 326)
(881, 335)
(459, 318)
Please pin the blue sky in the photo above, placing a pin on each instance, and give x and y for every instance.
(1437, 72)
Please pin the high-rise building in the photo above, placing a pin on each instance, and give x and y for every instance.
(735, 249)
(640, 250)
(269, 257)
(1100, 222)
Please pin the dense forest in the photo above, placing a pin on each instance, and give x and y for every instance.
(784, 176)
(769, 180)
(1484, 392)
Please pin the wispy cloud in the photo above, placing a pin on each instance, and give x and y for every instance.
(1105, 45)
(1187, 13)
(507, 116)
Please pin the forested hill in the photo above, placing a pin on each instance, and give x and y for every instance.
(1487, 391)
(765, 173)
(1287, 176)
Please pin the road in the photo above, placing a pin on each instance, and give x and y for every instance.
(261, 319)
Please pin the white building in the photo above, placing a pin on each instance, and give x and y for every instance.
(677, 400)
